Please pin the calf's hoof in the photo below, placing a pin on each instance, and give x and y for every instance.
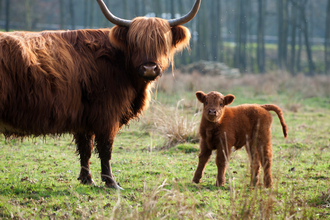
(218, 184)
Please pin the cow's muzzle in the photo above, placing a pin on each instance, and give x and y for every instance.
(149, 71)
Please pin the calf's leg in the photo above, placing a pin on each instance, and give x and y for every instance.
(253, 154)
(266, 154)
(85, 144)
(203, 158)
(221, 160)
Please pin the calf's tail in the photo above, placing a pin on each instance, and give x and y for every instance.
(280, 116)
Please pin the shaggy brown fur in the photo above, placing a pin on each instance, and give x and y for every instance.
(246, 125)
(86, 82)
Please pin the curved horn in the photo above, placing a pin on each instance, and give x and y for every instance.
(187, 17)
(112, 18)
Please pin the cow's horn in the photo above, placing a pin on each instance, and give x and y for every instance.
(113, 19)
(187, 17)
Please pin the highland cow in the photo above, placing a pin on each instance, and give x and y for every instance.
(223, 127)
(86, 82)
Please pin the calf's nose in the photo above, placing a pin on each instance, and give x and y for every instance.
(212, 112)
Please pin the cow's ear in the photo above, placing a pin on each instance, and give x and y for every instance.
(181, 37)
(201, 96)
(118, 37)
(229, 99)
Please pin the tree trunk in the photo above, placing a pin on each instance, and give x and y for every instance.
(172, 9)
(28, 14)
(73, 25)
(300, 45)
(158, 8)
(241, 32)
(136, 7)
(261, 36)
(282, 33)
(219, 26)
(125, 9)
(293, 35)
(91, 15)
(85, 13)
(327, 41)
(7, 15)
(214, 31)
(305, 30)
(62, 14)
(144, 4)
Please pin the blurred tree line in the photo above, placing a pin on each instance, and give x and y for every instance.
(252, 35)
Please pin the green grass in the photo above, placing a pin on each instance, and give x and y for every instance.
(38, 176)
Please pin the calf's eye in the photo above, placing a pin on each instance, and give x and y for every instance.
(205, 103)
(221, 104)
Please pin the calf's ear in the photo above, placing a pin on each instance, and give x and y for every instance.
(229, 99)
(181, 37)
(201, 96)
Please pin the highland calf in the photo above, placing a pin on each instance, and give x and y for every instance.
(246, 125)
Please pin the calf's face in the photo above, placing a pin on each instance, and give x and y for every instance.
(213, 104)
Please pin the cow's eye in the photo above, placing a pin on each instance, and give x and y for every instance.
(221, 104)
(205, 103)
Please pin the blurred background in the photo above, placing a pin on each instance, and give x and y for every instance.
(250, 36)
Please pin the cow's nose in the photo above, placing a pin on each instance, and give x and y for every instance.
(212, 112)
(150, 71)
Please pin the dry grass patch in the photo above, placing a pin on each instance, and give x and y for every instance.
(269, 84)
(173, 123)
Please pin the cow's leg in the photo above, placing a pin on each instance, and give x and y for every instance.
(104, 148)
(85, 144)
(203, 158)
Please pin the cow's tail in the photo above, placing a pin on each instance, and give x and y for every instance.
(280, 116)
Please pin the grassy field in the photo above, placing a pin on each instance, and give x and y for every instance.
(155, 157)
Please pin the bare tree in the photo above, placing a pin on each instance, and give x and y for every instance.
(327, 41)
(305, 32)
(91, 14)
(282, 33)
(125, 9)
(216, 30)
(71, 6)
(294, 17)
(172, 8)
(144, 4)
(62, 14)
(85, 13)
(136, 7)
(241, 34)
(7, 15)
(261, 36)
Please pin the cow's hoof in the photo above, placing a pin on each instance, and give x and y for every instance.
(114, 186)
(86, 180)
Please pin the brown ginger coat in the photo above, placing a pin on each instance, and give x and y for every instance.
(246, 125)
(86, 82)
